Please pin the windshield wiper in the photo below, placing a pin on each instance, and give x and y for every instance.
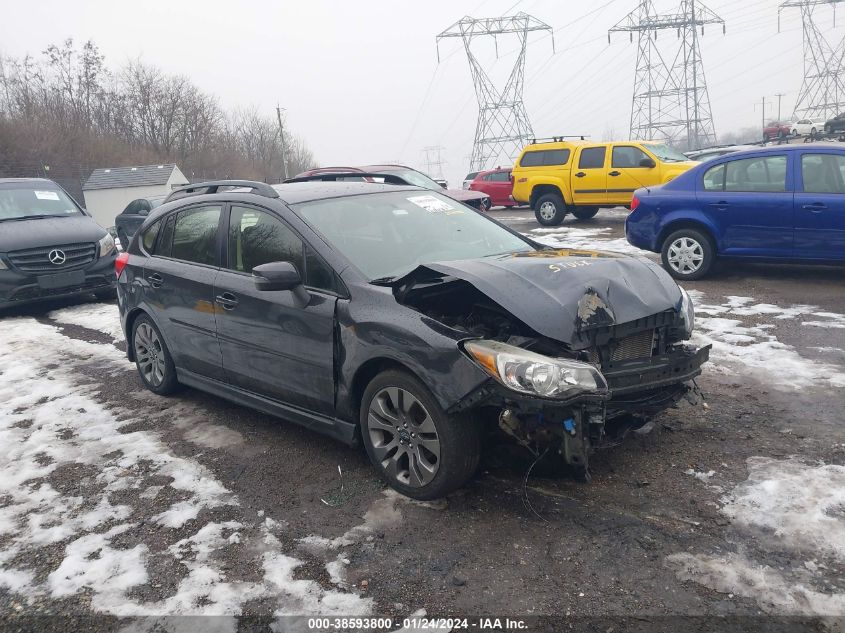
(31, 217)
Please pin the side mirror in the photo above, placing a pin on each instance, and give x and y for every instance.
(276, 276)
(281, 276)
(648, 162)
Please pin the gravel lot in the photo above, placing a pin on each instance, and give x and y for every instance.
(115, 501)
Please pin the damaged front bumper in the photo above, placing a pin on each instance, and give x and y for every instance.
(574, 427)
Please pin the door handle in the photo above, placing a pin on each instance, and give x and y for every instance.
(580, 174)
(720, 205)
(155, 280)
(816, 207)
(227, 300)
(615, 173)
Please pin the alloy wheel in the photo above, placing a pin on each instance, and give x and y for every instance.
(685, 255)
(547, 210)
(149, 354)
(403, 437)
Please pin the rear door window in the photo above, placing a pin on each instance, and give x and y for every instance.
(500, 176)
(148, 240)
(823, 173)
(714, 178)
(195, 235)
(592, 158)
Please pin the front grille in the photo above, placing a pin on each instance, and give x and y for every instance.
(639, 345)
(37, 260)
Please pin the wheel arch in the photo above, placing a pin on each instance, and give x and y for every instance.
(131, 317)
(687, 223)
(364, 375)
(541, 190)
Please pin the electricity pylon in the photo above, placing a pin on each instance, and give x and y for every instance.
(670, 102)
(433, 160)
(822, 92)
(503, 127)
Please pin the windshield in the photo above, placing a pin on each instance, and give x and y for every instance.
(386, 235)
(416, 178)
(666, 153)
(28, 201)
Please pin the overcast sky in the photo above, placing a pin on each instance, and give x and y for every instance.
(361, 83)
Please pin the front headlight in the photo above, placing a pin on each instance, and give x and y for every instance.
(534, 374)
(106, 245)
(687, 313)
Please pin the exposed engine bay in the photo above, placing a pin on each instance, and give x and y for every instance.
(645, 364)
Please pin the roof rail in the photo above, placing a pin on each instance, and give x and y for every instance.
(558, 139)
(389, 179)
(213, 186)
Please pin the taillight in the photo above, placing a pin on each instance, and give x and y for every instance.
(120, 263)
(635, 202)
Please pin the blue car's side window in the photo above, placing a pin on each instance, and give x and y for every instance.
(823, 173)
(714, 178)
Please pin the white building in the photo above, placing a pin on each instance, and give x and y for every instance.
(108, 191)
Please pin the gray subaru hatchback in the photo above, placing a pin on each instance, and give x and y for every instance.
(399, 318)
(49, 246)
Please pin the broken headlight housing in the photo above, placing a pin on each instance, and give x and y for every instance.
(687, 312)
(534, 374)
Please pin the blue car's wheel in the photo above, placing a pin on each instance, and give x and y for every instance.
(688, 254)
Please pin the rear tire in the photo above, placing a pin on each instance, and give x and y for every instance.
(415, 447)
(688, 254)
(585, 213)
(550, 209)
(152, 358)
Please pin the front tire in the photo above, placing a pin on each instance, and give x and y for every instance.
(688, 254)
(550, 209)
(152, 358)
(416, 448)
(585, 213)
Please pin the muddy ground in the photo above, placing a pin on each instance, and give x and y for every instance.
(666, 528)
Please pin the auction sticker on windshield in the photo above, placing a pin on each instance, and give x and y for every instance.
(47, 195)
(431, 204)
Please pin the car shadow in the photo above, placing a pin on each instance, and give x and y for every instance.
(41, 309)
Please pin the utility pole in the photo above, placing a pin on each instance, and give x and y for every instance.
(822, 93)
(671, 101)
(780, 96)
(503, 127)
(282, 139)
(763, 115)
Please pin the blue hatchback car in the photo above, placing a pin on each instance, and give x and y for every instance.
(784, 202)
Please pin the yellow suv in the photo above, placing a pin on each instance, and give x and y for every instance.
(580, 177)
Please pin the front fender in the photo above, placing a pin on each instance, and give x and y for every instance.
(420, 345)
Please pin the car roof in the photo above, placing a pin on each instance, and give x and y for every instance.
(484, 172)
(296, 192)
(34, 181)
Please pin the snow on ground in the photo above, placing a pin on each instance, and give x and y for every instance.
(794, 510)
(76, 479)
(95, 316)
(739, 347)
(583, 238)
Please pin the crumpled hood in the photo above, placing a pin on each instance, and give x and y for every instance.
(20, 234)
(560, 293)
